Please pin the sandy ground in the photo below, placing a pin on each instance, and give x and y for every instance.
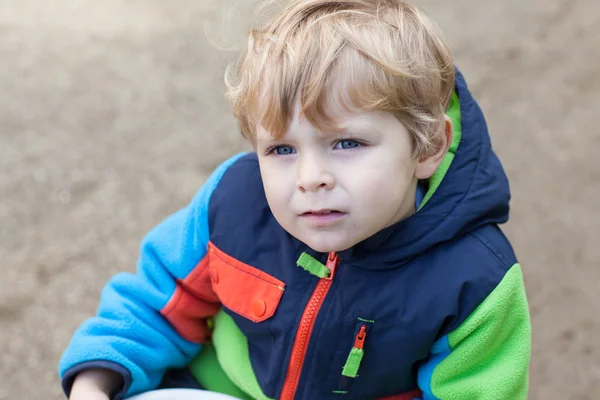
(112, 115)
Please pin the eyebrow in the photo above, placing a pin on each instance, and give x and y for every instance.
(358, 130)
(355, 129)
(268, 141)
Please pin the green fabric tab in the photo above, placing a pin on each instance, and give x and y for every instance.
(491, 348)
(229, 362)
(353, 362)
(312, 265)
(453, 112)
(366, 320)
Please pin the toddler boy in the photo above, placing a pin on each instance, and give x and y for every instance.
(355, 254)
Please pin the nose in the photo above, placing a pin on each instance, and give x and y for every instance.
(313, 174)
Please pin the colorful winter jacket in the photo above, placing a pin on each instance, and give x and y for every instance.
(432, 307)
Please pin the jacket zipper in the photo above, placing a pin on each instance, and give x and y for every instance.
(355, 357)
(307, 322)
(359, 342)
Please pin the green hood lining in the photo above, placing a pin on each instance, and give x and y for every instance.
(453, 112)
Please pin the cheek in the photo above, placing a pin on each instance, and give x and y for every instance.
(381, 182)
(272, 190)
(381, 178)
(276, 184)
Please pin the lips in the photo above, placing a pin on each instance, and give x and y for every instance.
(322, 212)
(323, 217)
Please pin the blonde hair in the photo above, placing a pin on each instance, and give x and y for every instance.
(385, 55)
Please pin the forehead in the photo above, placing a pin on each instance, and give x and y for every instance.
(339, 115)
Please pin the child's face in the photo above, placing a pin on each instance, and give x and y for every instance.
(333, 190)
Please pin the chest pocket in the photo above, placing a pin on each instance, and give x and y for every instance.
(373, 364)
(243, 289)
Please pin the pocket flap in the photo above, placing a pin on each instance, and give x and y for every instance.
(242, 288)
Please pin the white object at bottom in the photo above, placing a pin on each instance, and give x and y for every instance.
(181, 394)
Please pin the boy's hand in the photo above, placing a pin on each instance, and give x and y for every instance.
(95, 384)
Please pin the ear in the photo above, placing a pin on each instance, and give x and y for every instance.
(428, 164)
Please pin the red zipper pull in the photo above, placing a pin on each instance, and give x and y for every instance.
(359, 343)
(332, 262)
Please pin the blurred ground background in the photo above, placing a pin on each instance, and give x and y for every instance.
(112, 115)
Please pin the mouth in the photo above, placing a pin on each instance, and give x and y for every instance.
(323, 216)
(318, 212)
(322, 212)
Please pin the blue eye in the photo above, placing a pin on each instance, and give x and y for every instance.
(347, 144)
(284, 150)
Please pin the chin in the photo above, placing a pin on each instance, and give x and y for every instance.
(322, 241)
(327, 246)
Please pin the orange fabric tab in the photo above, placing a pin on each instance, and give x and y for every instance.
(193, 302)
(244, 289)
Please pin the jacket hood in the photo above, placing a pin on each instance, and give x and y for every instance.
(472, 192)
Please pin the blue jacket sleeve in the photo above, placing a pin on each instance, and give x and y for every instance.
(129, 335)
